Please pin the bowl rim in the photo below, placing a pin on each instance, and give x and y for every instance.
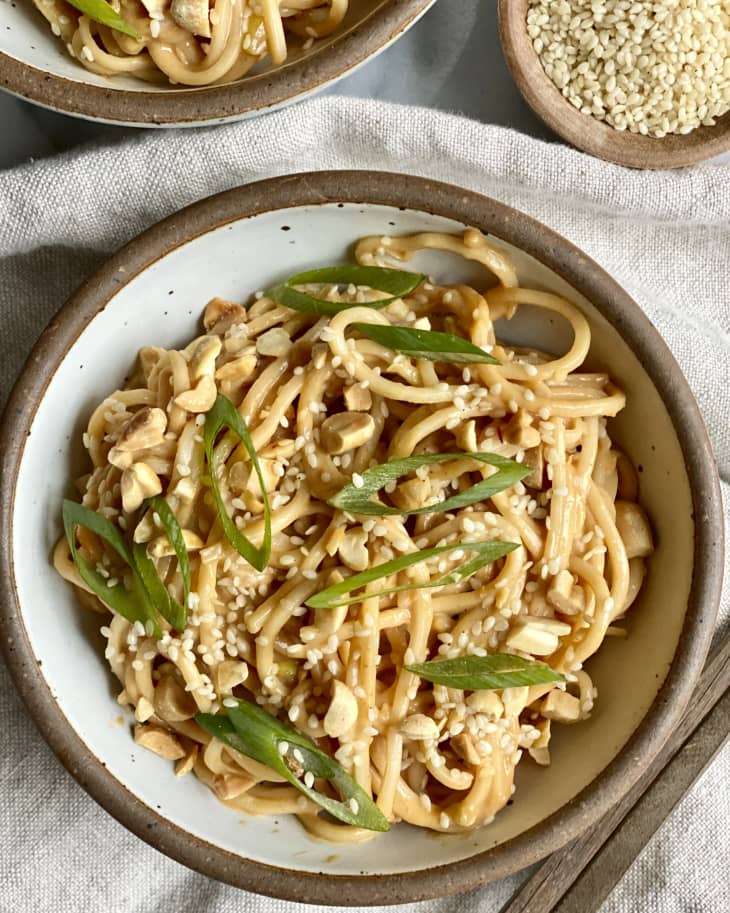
(505, 223)
(586, 132)
(191, 106)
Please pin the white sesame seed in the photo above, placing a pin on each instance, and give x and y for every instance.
(651, 68)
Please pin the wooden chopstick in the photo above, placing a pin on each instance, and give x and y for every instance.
(579, 877)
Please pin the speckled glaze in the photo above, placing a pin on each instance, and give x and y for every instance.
(586, 132)
(613, 306)
(370, 27)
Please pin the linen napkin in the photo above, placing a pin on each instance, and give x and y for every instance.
(664, 236)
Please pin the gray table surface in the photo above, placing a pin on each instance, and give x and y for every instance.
(451, 60)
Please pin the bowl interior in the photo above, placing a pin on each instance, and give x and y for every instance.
(162, 305)
(587, 132)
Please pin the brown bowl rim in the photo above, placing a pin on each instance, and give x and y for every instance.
(589, 279)
(586, 132)
(249, 96)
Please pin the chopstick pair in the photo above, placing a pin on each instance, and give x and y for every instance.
(580, 876)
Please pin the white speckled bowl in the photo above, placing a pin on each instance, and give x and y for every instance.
(153, 292)
(34, 65)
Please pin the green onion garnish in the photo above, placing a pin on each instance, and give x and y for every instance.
(486, 673)
(428, 344)
(134, 605)
(225, 415)
(396, 282)
(257, 734)
(486, 552)
(168, 607)
(359, 499)
(104, 13)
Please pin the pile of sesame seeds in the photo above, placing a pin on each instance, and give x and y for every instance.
(652, 68)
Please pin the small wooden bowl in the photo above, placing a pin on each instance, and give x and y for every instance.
(585, 131)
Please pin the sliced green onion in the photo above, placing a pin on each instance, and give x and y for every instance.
(486, 552)
(225, 415)
(428, 344)
(168, 607)
(175, 536)
(396, 282)
(134, 605)
(359, 499)
(486, 673)
(163, 603)
(104, 13)
(161, 599)
(257, 734)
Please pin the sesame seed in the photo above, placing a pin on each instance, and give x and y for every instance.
(648, 68)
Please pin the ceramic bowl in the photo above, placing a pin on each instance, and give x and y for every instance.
(34, 65)
(587, 132)
(153, 292)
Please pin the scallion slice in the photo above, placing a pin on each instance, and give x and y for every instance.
(336, 595)
(257, 734)
(169, 608)
(428, 344)
(395, 282)
(359, 499)
(134, 605)
(225, 415)
(104, 13)
(486, 673)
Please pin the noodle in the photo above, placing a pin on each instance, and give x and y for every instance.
(192, 42)
(249, 633)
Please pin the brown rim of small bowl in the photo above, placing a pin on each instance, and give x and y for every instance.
(612, 302)
(586, 132)
(216, 104)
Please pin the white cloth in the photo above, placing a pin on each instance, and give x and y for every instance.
(665, 237)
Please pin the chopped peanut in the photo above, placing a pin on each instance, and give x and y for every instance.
(145, 428)
(343, 711)
(163, 742)
(346, 430)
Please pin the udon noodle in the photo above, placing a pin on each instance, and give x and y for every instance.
(430, 755)
(191, 42)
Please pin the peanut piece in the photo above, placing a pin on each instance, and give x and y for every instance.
(346, 430)
(161, 741)
(146, 428)
(342, 713)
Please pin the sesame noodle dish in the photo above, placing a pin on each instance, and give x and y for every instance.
(187, 42)
(354, 548)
